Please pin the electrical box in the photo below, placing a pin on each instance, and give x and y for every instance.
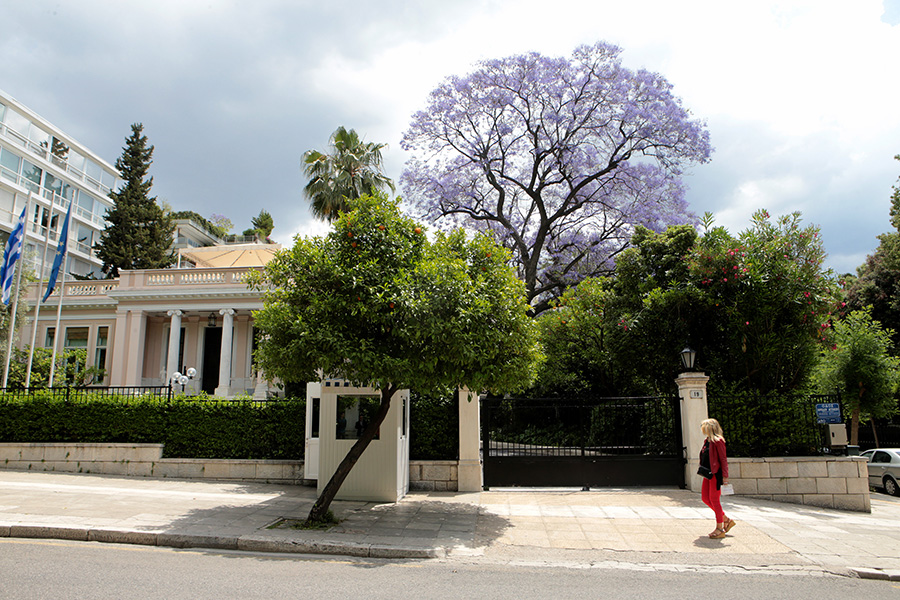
(836, 435)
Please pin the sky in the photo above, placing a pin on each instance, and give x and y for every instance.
(800, 97)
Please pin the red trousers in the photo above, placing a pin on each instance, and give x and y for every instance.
(712, 497)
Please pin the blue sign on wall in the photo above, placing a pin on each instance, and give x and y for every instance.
(829, 412)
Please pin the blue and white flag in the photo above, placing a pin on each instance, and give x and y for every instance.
(11, 254)
(60, 254)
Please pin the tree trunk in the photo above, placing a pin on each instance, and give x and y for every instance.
(854, 417)
(875, 433)
(323, 502)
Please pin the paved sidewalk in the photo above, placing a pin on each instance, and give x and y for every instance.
(634, 528)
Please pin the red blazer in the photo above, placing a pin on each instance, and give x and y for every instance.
(717, 458)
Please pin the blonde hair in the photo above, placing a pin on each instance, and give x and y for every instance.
(712, 430)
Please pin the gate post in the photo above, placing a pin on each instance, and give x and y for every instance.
(694, 409)
(469, 470)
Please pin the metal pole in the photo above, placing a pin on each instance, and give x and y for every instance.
(56, 336)
(37, 306)
(12, 318)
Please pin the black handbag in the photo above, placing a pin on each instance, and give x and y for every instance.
(704, 470)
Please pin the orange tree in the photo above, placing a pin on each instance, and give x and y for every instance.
(376, 301)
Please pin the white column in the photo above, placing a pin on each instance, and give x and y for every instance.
(224, 388)
(694, 409)
(174, 342)
(470, 477)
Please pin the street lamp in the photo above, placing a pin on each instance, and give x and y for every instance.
(687, 358)
(211, 319)
(178, 378)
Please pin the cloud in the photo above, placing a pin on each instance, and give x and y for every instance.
(800, 107)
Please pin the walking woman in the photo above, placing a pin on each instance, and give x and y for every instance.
(714, 469)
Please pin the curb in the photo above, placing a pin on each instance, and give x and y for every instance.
(879, 574)
(247, 543)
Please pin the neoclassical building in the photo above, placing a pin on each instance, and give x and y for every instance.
(126, 326)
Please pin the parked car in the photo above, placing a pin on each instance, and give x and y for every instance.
(884, 469)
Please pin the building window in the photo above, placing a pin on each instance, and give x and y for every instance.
(32, 174)
(100, 352)
(354, 413)
(50, 337)
(76, 337)
(10, 164)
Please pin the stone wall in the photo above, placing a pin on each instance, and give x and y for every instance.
(142, 460)
(830, 481)
(434, 475)
(145, 460)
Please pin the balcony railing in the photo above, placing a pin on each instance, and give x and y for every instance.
(36, 149)
(152, 280)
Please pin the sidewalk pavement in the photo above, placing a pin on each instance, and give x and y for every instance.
(663, 529)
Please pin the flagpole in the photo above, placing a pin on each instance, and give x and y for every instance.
(12, 318)
(37, 305)
(56, 336)
(64, 246)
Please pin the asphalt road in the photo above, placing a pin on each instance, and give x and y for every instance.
(62, 570)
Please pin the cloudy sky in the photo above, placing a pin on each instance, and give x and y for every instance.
(800, 96)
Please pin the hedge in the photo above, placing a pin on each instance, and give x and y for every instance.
(204, 428)
(188, 428)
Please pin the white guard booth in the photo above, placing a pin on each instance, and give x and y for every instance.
(343, 411)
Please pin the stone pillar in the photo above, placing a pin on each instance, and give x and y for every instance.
(470, 476)
(223, 390)
(174, 339)
(692, 391)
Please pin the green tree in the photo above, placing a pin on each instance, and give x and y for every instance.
(138, 234)
(350, 169)
(71, 368)
(756, 307)
(878, 283)
(860, 367)
(262, 225)
(375, 301)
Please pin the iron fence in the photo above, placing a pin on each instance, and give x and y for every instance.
(770, 425)
(581, 427)
(67, 393)
(888, 433)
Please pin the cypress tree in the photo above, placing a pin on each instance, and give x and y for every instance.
(138, 234)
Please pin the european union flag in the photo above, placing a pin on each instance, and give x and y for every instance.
(60, 254)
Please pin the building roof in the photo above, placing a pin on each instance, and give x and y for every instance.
(232, 255)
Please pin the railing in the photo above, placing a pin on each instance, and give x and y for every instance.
(71, 393)
(758, 425)
(37, 150)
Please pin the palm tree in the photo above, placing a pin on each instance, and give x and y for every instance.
(352, 168)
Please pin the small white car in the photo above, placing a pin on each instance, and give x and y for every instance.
(884, 469)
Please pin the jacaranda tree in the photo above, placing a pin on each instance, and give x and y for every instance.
(376, 301)
(560, 157)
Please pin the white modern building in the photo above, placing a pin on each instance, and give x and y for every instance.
(39, 161)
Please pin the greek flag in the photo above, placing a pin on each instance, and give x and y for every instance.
(11, 254)
(60, 254)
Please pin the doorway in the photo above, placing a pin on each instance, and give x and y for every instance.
(212, 348)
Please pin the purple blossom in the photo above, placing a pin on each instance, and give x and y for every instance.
(560, 158)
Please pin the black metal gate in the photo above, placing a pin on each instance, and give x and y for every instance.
(597, 442)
